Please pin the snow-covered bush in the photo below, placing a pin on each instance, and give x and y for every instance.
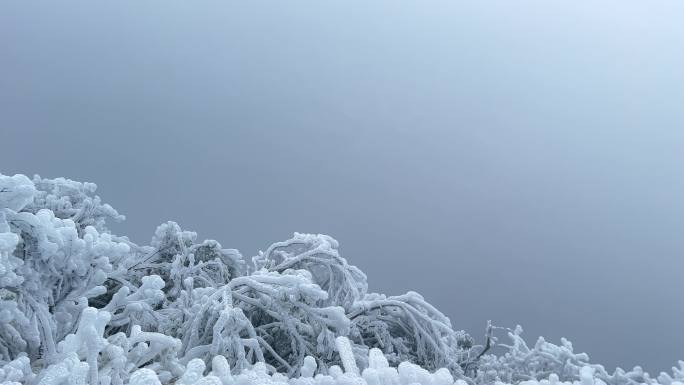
(318, 254)
(80, 305)
(407, 328)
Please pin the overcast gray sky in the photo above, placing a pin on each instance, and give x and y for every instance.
(519, 161)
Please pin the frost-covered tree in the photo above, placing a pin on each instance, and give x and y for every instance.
(293, 301)
(318, 254)
(51, 265)
(407, 328)
(80, 305)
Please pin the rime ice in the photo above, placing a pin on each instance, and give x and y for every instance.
(80, 305)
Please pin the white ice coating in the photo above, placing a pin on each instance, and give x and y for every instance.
(346, 355)
(80, 305)
(71, 371)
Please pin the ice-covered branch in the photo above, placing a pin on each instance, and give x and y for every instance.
(80, 305)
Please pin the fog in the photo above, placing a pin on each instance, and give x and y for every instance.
(513, 161)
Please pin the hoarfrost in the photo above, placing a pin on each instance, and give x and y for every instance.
(80, 305)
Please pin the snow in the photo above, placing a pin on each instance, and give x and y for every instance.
(69, 372)
(80, 305)
(15, 192)
(144, 376)
(346, 355)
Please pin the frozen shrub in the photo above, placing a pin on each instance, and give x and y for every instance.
(407, 328)
(79, 305)
(317, 254)
(264, 317)
(68, 199)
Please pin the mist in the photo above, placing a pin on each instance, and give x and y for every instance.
(519, 162)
